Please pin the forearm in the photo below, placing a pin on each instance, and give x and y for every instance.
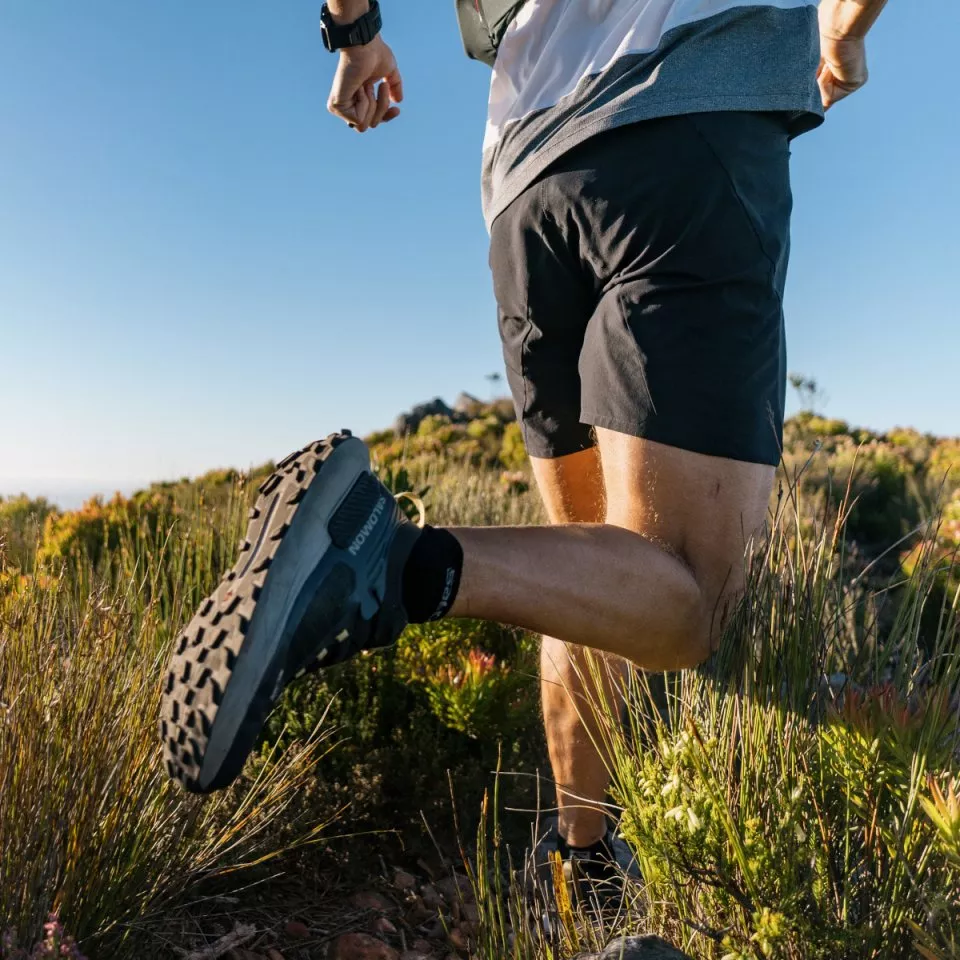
(848, 19)
(346, 11)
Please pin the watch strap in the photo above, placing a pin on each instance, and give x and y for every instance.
(360, 32)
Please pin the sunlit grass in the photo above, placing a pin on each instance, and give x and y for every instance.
(90, 825)
(796, 798)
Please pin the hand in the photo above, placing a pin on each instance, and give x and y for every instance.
(366, 84)
(843, 68)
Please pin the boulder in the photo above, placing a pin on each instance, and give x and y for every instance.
(410, 421)
(468, 405)
(637, 948)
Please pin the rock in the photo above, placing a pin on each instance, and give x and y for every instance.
(468, 404)
(422, 946)
(419, 913)
(455, 886)
(361, 946)
(458, 938)
(414, 955)
(383, 926)
(431, 896)
(368, 900)
(637, 948)
(403, 880)
(410, 421)
(273, 954)
(432, 929)
(296, 930)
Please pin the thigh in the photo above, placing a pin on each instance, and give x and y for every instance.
(705, 510)
(571, 487)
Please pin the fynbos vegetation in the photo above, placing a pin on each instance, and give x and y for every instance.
(799, 797)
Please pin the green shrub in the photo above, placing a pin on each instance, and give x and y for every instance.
(21, 529)
(784, 814)
(513, 454)
(90, 824)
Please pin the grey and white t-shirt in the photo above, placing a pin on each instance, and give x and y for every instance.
(569, 69)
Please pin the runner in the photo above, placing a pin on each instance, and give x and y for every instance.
(636, 187)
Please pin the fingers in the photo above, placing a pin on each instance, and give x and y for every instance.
(395, 83)
(833, 89)
(375, 108)
(827, 85)
(362, 101)
(382, 105)
(349, 104)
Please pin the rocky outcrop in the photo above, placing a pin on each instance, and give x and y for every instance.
(468, 405)
(410, 421)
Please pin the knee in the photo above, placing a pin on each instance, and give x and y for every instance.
(691, 642)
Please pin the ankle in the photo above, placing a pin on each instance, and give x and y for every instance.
(431, 577)
(581, 833)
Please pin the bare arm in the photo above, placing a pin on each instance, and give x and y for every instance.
(843, 26)
(367, 83)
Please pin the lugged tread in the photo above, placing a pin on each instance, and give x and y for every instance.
(198, 671)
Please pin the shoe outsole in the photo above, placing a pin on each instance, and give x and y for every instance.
(206, 653)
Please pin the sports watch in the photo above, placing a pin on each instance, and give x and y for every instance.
(362, 30)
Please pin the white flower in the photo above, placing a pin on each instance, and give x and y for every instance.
(671, 785)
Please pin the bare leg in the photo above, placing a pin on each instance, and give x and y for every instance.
(595, 585)
(654, 597)
(572, 491)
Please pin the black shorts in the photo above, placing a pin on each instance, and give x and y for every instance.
(640, 288)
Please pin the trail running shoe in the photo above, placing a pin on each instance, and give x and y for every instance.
(318, 581)
(600, 881)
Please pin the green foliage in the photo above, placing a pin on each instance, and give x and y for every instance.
(785, 814)
(99, 528)
(513, 454)
(21, 529)
(775, 816)
(90, 824)
(387, 707)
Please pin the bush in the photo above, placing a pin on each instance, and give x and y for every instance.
(21, 529)
(90, 824)
(790, 816)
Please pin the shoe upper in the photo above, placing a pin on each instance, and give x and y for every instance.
(598, 876)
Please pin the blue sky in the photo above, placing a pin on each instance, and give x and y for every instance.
(200, 267)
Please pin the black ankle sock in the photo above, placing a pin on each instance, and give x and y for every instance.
(431, 577)
(598, 851)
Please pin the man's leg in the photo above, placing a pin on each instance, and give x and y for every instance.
(572, 491)
(676, 520)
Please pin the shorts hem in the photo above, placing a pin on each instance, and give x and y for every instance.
(706, 449)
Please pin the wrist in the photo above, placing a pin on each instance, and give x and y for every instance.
(344, 12)
(843, 20)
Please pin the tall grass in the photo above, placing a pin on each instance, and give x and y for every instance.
(90, 826)
(796, 798)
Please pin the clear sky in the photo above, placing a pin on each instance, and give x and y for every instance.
(200, 267)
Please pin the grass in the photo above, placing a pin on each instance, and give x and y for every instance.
(799, 798)
(90, 826)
